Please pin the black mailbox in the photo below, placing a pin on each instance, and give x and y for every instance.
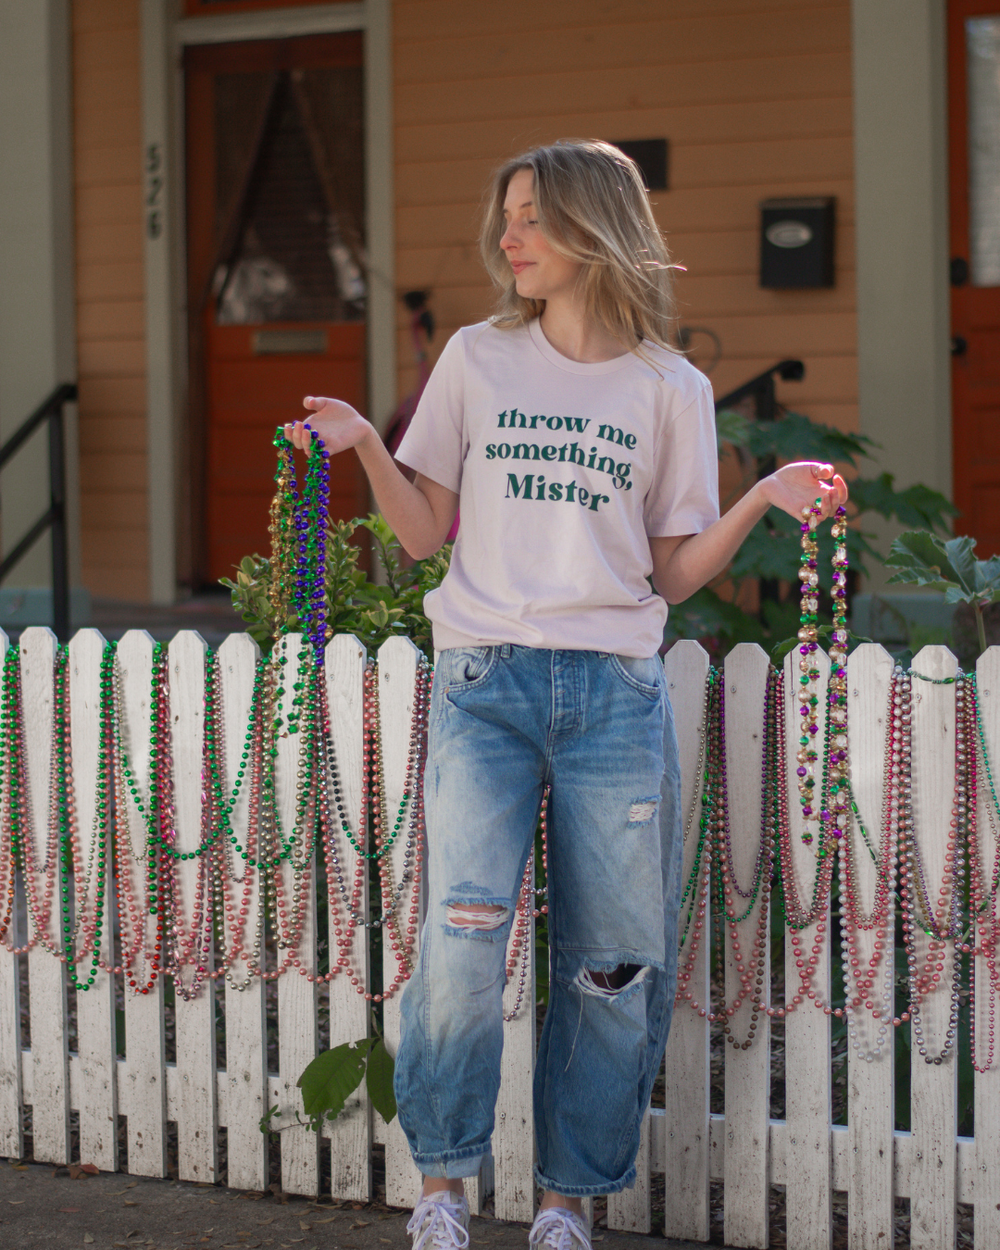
(796, 242)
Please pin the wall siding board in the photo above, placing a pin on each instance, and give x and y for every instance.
(650, 44)
(107, 162)
(793, 77)
(456, 14)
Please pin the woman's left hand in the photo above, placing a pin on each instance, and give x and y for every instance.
(797, 486)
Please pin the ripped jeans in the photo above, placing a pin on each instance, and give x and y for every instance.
(504, 722)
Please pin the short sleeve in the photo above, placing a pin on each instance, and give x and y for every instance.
(436, 442)
(684, 496)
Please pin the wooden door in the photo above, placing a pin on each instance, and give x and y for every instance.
(974, 145)
(275, 272)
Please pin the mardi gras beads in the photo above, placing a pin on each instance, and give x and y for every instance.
(298, 541)
(832, 816)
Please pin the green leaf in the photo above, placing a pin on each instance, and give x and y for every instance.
(917, 506)
(331, 1078)
(795, 437)
(732, 427)
(381, 1070)
(923, 559)
(264, 1123)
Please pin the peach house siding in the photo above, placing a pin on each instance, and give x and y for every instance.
(110, 312)
(754, 97)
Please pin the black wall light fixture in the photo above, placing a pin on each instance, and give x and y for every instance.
(651, 157)
(796, 242)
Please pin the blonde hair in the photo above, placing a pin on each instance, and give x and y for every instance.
(592, 207)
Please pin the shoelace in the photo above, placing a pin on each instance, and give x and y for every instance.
(558, 1229)
(442, 1228)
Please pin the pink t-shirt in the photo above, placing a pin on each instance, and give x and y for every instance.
(564, 470)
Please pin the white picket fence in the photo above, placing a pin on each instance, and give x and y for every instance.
(743, 1148)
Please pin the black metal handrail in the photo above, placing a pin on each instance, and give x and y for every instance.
(50, 410)
(762, 389)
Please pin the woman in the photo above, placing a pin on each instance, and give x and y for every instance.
(582, 450)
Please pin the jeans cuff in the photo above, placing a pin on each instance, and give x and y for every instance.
(453, 1164)
(585, 1191)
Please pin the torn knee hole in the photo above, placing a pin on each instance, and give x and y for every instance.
(607, 984)
(477, 915)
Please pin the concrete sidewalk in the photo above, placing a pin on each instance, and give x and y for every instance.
(42, 1207)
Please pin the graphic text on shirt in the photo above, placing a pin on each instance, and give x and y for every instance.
(534, 486)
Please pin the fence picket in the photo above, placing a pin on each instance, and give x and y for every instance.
(11, 1136)
(197, 1110)
(351, 1133)
(987, 1084)
(629, 1209)
(870, 1107)
(298, 1019)
(514, 1134)
(808, 1085)
(46, 975)
(397, 667)
(246, 1029)
(686, 1101)
(933, 1086)
(96, 1033)
(747, 1071)
(145, 1095)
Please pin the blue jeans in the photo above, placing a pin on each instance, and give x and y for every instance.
(504, 722)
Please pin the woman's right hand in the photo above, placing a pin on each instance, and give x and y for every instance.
(338, 424)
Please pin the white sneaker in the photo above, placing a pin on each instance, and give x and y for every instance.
(558, 1228)
(442, 1220)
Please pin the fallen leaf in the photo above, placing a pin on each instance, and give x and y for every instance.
(126, 1203)
(388, 1240)
(88, 1239)
(17, 1202)
(329, 1220)
(269, 1220)
(360, 1224)
(70, 1210)
(306, 1228)
(117, 1193)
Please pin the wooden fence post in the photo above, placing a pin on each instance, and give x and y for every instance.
(145, 1094)
(351, 1133)
(246, 1026)
(808, 1084)
(11, 1136)
(197, 1110)
(95, 1007)
(933, 1086)
(686, 1147)
(397, 669)
(514, 1134)
(748, 1074)
(46, 975)
(987, 1091)
(298, 1020)
(870, 1105)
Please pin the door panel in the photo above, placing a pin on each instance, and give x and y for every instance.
(974, 135)
(276, 271)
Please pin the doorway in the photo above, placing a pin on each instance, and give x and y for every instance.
(974, 154)
(276, 272)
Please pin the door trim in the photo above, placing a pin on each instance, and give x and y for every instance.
(162, 43)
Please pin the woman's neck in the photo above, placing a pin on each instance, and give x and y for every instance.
(576, 336)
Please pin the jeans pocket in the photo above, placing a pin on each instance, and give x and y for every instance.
(467, 667)
(643, 676)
